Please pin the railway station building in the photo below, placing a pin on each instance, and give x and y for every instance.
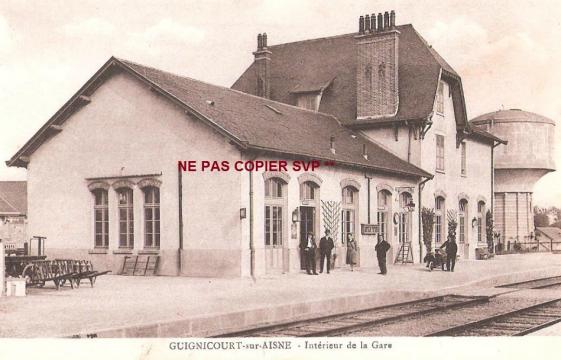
(379, 108)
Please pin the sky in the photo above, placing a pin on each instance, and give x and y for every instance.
(507, 52)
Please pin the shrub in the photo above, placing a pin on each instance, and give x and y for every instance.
(427, 218)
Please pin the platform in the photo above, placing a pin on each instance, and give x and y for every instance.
(122, 306)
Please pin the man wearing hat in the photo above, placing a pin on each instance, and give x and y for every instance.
(326, 244)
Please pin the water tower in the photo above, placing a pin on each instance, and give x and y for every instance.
(527, 157)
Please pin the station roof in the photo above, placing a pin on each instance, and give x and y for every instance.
(251, 122)
(333, 61)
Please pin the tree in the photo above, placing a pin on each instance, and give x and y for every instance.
(427, 218)
(452, 225)
(489, 230)
(541, 220)
(557, 224)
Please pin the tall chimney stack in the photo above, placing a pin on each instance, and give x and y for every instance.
(386, 20)
(263, 65)
(361, 25)
(377, 68)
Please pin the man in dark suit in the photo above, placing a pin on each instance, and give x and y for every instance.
(326, 244)
(451, 253)
(382, 248)
(308, 245)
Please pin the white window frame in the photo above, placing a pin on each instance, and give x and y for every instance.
(126, 242)
(104, 209)
(152, 238)
(440, 98)
(440, 153)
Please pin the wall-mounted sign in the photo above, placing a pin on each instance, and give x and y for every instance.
(369, 229)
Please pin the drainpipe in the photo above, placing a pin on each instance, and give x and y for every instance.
(409, 146)
(251, 245)
(493, 183)
(493, 176)
(421, 186)
(180, 214)
(368, 179)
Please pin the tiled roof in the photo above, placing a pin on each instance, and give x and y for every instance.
(13, 197)
(269, 125)
(477, 131)
(251, 122)
(335, 58)
(552, 233)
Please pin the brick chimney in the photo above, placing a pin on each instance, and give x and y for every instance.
(263, 65)
(377, 67)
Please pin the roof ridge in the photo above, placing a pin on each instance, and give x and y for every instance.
(125, 61)
(327, 37)
(432, 51)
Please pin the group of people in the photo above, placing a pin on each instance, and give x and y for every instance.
(326, 246)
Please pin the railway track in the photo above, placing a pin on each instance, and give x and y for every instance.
(334, 325)
(514, 323)
(543, 283)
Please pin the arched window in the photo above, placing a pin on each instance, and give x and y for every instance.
(348, 214)
(384, 211)
(439, 218)
(308, 190)
(348, 195)
(273, 188)
(480, 221)
(462, 220)
(126, 218)
(151, 217)
(404, 225)
(101, 218)
(274, 211)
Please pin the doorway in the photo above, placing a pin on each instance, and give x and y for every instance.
(307, 225)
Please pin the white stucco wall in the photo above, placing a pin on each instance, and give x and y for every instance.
(330, 190)
(474, 186)
(126, 130)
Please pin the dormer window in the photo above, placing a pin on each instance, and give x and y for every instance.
(309, 92)
(440, 98)
(308, 101)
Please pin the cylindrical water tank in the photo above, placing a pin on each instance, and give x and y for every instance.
(530, 139)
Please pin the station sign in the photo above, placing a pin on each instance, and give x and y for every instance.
(369, 229)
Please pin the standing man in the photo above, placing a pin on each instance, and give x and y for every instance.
(309, 246)
(382, 248)
(451, 253)
(326, 244)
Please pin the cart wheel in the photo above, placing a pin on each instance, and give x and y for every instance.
(431, 265)
(27, 274)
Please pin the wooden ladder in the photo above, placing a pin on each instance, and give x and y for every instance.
(405, 254)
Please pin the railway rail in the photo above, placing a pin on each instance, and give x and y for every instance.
(334, 325)
(543, 283)
(515, 323)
